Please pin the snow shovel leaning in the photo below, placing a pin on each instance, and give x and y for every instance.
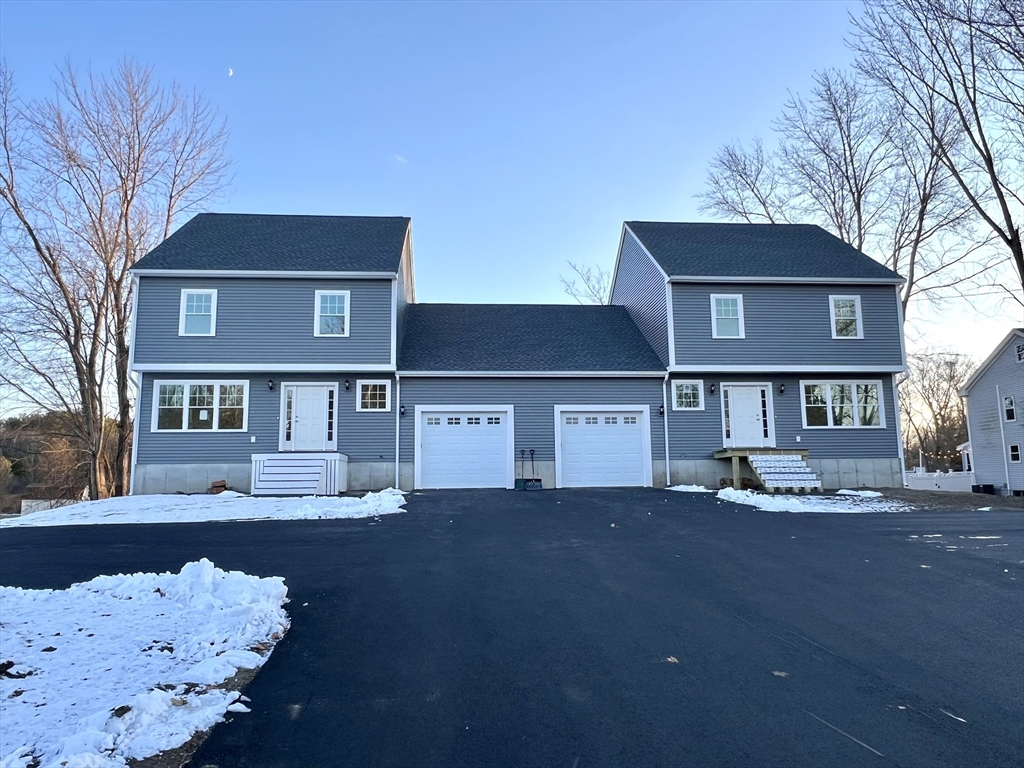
(533, 483)
(521, 480)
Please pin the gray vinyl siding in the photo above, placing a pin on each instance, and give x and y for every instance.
(263, 320)
(786, 324)
(403, 294)
(984, 413)
(640, 288)
(698, 434)
(362, 436)
(534, 400)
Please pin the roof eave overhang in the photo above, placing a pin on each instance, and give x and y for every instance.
(782, 279)
(533, 374)
(284, 273)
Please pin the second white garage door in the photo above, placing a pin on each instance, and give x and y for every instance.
(602, 448)
(464, 449)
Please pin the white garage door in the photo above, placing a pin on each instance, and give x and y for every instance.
(464, 449)
(602, 448)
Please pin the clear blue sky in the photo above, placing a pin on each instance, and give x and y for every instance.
(516, 136)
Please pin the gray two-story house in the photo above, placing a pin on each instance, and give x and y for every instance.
(288, 354)
(994, 395)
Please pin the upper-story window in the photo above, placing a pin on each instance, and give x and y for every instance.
(1009, 408)
(688, 395)
(332, 311)
(727, 316)
(846, 319)
(198, 316)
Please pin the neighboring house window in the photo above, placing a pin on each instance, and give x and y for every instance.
(374, 396)
(1015, 454)
(726, 316)
(1009, 408)
(846, 317)
(198, 316)
(842, 404)
(200, 406)
(332, 312)
(688, 395)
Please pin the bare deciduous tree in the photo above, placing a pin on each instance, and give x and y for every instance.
(846, 163)
(91, 179)
(589, 286)
(958, 63)
(931, 409)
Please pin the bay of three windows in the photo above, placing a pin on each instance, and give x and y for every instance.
(198, 313)
(727, 321)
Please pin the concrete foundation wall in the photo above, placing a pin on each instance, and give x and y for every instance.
(190, 478)
(834, 473)
(371, 475)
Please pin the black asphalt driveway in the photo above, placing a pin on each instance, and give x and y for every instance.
(584, 628)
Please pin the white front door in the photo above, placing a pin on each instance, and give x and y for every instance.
(309, 418)
(601, 448)
(464, 449)
(747, 411)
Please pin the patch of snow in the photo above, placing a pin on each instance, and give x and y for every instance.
(221, 507)
(846, 504)
(984, 537)
(984, 509)
(933, 536)
(120, 667)
(690, 488)
(861, 494)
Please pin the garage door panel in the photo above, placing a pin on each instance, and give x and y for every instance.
(464, 449)
(602, 448)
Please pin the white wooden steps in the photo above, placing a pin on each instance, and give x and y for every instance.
(299, 474)
(777, 472)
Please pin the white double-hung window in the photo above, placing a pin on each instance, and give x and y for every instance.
(727, 316)
(198, 315)
(842, 404)
(844, 311)
(200, 406)
(332, 312)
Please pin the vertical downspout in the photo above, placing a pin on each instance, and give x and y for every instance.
(664, 407)
(1002, 438)
(398, 425)
(899, 431)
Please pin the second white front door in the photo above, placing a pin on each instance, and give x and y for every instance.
(309, 413)
(748, 416)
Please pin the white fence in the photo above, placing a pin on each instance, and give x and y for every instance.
(960, 482)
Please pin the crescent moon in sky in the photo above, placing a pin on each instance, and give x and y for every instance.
(230, 72)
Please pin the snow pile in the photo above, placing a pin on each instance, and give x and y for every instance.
(861, 494)
(120, 667)
(689, 488)
(177, 508)
(844, 504)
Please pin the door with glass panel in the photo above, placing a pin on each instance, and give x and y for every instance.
(308, 419)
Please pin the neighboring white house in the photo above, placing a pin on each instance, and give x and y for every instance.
(994, 395)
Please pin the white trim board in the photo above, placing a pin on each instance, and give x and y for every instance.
(784, 370)
(420, 410)
(644, 411)
(786, 280)
(260, 273)
(536, 374)
(263, 367)
(137, 383)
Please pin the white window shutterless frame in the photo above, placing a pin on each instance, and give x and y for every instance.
(846, 317)
(198, 312)
(727, 316)
(331, 312)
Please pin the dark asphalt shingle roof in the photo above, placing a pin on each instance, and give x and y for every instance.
(246, 241)
(755, 250)
(522, 337)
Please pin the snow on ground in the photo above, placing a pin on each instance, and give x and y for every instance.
(690, 488)
(862, 494)
(120, 667)
(842, 504)
(178, 508)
